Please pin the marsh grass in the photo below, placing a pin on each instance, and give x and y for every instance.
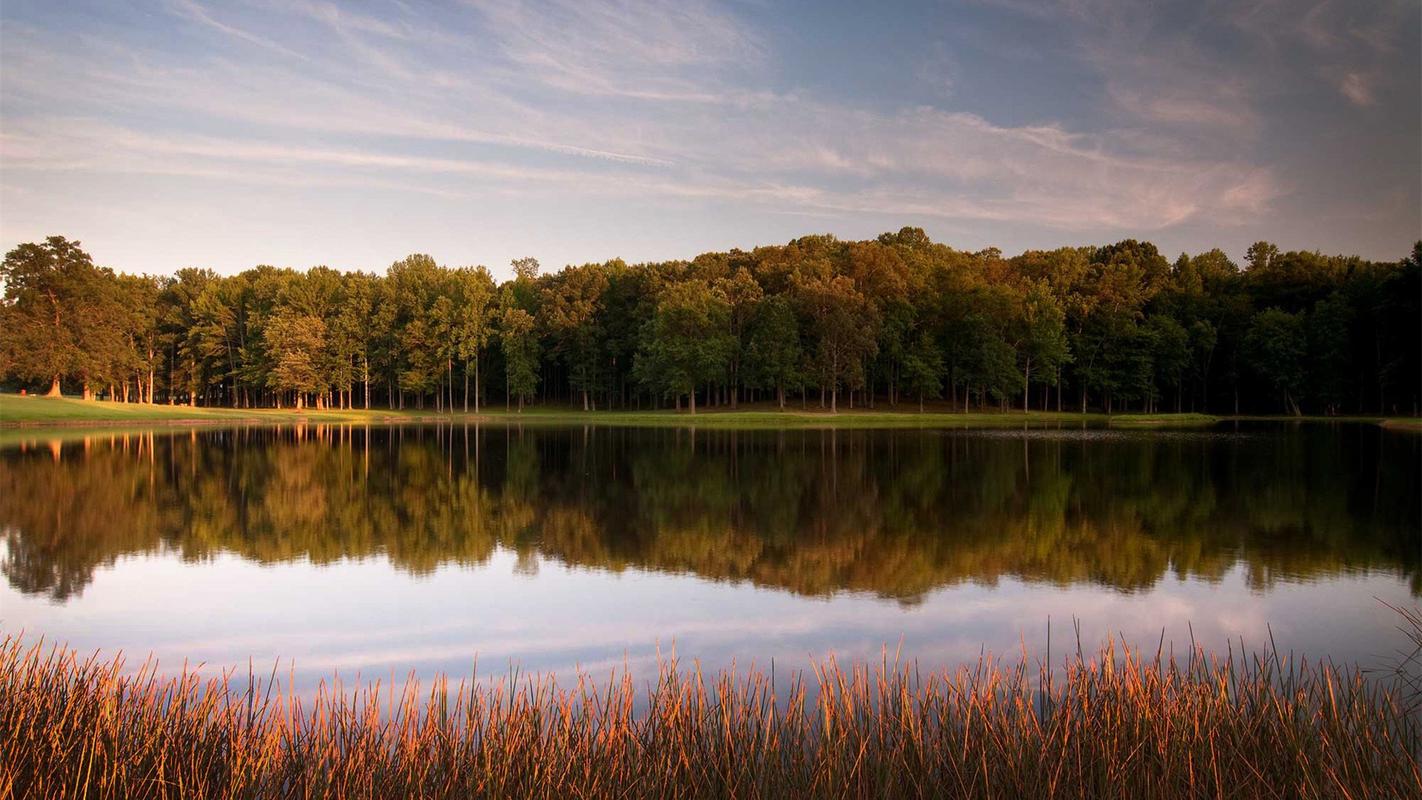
(1118, 723)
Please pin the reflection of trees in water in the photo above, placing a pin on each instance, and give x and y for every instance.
(895, 513)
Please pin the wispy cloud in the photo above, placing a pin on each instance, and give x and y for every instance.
(645, 49)
(1357, 88)
(1174, 120)
(197, 12)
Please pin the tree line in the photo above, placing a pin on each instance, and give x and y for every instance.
(818, 321)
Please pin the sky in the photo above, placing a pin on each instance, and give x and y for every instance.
(228, 134)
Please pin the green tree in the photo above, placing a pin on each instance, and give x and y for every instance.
(1204, 337)
(51, 310)
(296, 342)
(1169, 355)
(688, 342)
(773, 348)
(923, 368)
(1330, 350)
(417, 352)
(1042, 338)
(139, 302)
(744, 296)
(190, 360)
(571, 306)
(357, 326)
(1261, 255)
(845, 327)
(473, 322)
(520, 347)
(1276, 347)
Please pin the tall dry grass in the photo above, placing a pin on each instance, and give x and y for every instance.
(1117, 724)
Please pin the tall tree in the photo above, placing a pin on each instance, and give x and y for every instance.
(296, 342)
(1169, 355)
(688, 342)
(1042, 339)
(357, 326)
(844, 325)
(743, 296)
(773, 348)
(52, 306)
(473, 322)
(1276, 346)
(572, 305)
(520, 346)
(923, 368)
(1330, 350)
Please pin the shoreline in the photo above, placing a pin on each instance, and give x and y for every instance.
(17, 414)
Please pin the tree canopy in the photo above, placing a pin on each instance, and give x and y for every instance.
(1114, 327)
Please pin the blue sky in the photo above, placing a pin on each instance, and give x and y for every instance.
(227, 134)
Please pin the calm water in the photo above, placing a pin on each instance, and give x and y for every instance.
(377, 549)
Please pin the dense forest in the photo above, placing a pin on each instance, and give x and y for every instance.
(816, 322)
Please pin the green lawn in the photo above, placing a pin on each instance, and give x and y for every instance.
(17, 410)
(47, 411)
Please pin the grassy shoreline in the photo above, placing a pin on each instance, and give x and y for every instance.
(17, 411)
(1112, 724)
(32, 412)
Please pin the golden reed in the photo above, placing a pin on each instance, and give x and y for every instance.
(1114, 724)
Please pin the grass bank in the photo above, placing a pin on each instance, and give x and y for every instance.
(61, 412)
(33, 412)
(1113, 725)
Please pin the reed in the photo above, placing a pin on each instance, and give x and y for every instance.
(1117, 723)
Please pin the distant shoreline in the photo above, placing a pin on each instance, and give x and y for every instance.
(33, 412)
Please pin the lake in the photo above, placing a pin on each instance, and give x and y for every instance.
(372, 550)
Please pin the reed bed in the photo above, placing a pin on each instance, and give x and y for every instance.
(1116, 723)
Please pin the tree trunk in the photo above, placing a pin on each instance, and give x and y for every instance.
(834, 399)
(476, 384)
(691, 401)
(53, 388)
(1026, 383)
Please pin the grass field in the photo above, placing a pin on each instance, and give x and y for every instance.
(47, 411)
(32, 412)
(1113, 724)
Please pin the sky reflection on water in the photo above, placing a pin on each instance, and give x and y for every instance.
(557, 549)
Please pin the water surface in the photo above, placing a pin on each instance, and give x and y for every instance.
(380, 549)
